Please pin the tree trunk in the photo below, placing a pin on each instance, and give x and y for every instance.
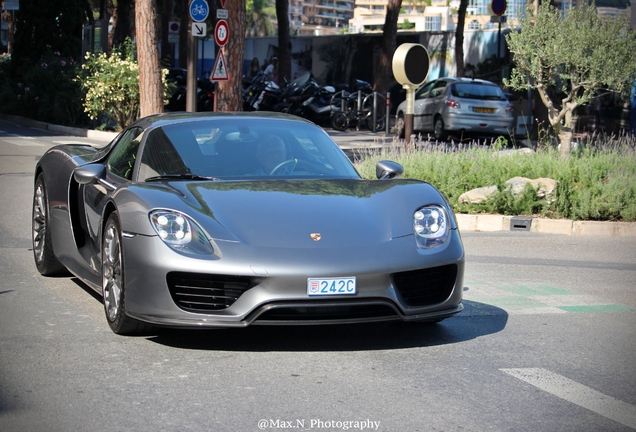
(459, 37)
(384, 70)
(150, 86)
(184, 15)
(229, 95)
(167, 12)
(121, 27)
(284, 41)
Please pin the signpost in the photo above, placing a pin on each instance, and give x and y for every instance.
(498, 7)
(221, 33)
(199, 11)
(410, 66)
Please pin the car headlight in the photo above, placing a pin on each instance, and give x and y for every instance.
(431, 225)
(180, 232)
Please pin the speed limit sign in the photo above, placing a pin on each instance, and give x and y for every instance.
(221, 33)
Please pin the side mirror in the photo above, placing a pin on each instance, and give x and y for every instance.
(87, 174)
(385, 170)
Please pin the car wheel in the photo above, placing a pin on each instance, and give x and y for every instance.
(113, 281)
(438, 130)
(45, 260)
(400, 126)
(339, 121)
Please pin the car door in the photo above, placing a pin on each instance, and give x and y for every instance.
(420, 106)
(119, 170)
(436, 99)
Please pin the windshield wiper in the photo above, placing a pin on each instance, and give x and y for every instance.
(188, 176)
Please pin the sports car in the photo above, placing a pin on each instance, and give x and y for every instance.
(230, 219)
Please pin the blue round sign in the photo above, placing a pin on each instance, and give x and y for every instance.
(498, 7)
(199, 10)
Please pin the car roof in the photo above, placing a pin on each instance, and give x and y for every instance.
(163, 119)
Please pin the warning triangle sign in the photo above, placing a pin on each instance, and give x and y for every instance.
(219, 73)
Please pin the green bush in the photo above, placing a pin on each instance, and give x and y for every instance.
(597, 182)
(45, 90)
(111, 84)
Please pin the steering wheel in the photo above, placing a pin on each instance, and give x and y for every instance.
(295, 164)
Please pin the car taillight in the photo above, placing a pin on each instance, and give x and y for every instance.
(510, 109)
(452, 103)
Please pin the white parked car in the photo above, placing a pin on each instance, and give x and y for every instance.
(459, 106)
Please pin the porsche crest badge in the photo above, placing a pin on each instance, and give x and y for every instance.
(315, 236)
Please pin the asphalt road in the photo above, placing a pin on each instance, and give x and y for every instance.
(546, 342)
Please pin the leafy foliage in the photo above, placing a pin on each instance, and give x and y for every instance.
(570, 60)
(44, 89)
(111, 83)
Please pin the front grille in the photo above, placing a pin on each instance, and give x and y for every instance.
(426, 286)
(203, 293)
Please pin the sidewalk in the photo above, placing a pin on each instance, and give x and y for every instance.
(352, 140)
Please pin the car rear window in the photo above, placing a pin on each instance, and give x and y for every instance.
(477, 91)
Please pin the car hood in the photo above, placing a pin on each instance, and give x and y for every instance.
(284, 213)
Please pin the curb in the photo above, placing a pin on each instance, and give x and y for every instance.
(491, 223)
(65, 130)
(465, 222)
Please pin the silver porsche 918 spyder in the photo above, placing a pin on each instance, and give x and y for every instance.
(231, 219)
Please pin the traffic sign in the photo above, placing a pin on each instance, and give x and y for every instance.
(221, 33)
(199, 10)
(219, 72)
(223, 3)
(199, 29)
(222, 13)
(498, 7)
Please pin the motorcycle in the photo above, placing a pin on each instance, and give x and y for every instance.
(308, 99)
(204, 95)
(261, 94)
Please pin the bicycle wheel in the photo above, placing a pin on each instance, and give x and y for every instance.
(339, 121)
(380, 112)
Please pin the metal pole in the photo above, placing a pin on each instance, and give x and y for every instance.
(409, 111)
(191, 87)
(375, 111)
(388, 110)
(359, 110)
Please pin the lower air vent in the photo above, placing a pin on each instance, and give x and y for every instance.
(427, 286)
(203, 293)
(326, 312)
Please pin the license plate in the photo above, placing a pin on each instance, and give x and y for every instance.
(484, 110)
(331, 286)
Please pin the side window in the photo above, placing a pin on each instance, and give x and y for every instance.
(122, 160)
(424, 91)
(438, 89)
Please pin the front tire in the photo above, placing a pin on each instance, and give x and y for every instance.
(113, 281)
(45, 260)
(400, 126)
(438, 130)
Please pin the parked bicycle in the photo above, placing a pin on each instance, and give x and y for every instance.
(360, 108)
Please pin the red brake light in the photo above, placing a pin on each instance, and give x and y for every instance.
(452, 103)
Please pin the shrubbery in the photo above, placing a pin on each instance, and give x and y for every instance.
(44, 90)
(111, 84)
(597, 182)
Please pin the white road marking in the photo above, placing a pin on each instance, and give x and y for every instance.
(25, 142)
(578, 394)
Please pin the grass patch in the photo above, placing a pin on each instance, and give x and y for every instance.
(597, 182)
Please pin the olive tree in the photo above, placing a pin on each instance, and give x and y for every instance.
(570, 60)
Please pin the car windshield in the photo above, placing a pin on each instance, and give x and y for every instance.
(238, 148)
(477, 91)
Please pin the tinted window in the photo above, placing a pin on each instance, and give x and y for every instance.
(477, 91)
(122, 160)
(229, 148)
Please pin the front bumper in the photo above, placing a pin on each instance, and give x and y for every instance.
(277, 294)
